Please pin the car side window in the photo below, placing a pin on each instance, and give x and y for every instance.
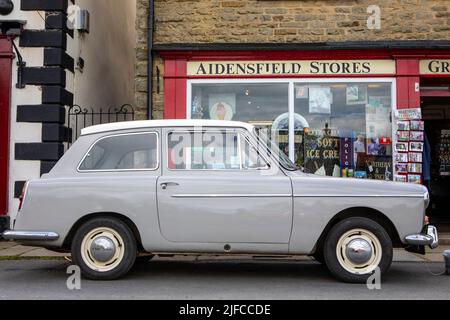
(137, 151)
(251, 157)
(211, 150)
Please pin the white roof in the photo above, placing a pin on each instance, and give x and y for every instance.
(163, 123)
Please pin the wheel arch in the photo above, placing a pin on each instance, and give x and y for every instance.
(364, 212)
(68, 240)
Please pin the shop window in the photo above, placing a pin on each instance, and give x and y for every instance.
(341, 128)
(260, 104)
(347, 129)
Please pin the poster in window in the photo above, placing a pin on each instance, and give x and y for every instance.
(378, 122)
(320, 100)
(301, 92)
(378, 167)
(322, 155)
(222, 106)
(356, 94)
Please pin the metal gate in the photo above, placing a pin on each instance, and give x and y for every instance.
(79, 118)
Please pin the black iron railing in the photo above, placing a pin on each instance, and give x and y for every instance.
(79, 118)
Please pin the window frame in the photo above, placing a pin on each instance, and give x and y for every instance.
(291, 95)
(158, 148)
(241, 134)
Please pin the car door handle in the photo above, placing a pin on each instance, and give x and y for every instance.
(164, 185)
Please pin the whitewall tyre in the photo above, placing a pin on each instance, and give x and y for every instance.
(355, 248)
(104, 248)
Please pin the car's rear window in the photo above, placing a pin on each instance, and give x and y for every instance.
(137, 151)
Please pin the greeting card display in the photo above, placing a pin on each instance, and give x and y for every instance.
(414, 178)
(401, 167)
(416, 146)
(415, 157)
(401, 157)
(403, 136)
(403, 125)
(416, 135)
(444, 153)
(408, 149)
(400, 178)
(415, 167)
(417, 125)
(401, 147)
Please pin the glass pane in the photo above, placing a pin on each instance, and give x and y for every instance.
(251, 158)
(124, 152)
(263, 104)
(215, 150)
(344, 129)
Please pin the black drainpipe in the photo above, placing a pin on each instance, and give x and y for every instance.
(151, 22)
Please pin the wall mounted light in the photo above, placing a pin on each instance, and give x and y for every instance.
(6, 7)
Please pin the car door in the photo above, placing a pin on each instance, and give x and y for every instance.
(216, 187)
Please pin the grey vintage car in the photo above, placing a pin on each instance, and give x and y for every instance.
(139, 188)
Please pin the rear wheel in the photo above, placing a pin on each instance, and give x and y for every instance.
(104, 249)
(355, 247)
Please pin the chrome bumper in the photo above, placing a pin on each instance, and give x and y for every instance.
(428, 238)
(30, 235)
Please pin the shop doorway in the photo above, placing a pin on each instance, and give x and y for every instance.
(435, 103)
(5, 104)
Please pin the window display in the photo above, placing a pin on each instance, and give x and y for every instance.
(340, 129)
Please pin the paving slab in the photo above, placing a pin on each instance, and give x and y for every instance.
(41, 252)
(401, 255)
(16, 250)
(7, 244)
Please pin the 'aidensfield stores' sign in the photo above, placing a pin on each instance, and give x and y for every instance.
(290, 68)
(435, 66)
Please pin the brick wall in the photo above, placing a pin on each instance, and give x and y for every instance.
(257, 21)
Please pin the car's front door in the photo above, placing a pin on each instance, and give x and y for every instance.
(216, 187)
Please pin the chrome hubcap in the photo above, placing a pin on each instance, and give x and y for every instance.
(359, 251)
(103, 249)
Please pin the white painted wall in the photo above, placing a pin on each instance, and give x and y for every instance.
(109, 54)
(107, 79)
(24, 132)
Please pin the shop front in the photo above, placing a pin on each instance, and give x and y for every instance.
(435, 105)
(334, 113)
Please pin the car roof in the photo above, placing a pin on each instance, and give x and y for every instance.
(127, 125)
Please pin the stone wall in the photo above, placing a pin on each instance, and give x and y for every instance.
(263, 21)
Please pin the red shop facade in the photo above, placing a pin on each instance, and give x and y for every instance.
(334, 112)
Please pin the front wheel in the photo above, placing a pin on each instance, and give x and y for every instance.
(104, 249)
(355, 247)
